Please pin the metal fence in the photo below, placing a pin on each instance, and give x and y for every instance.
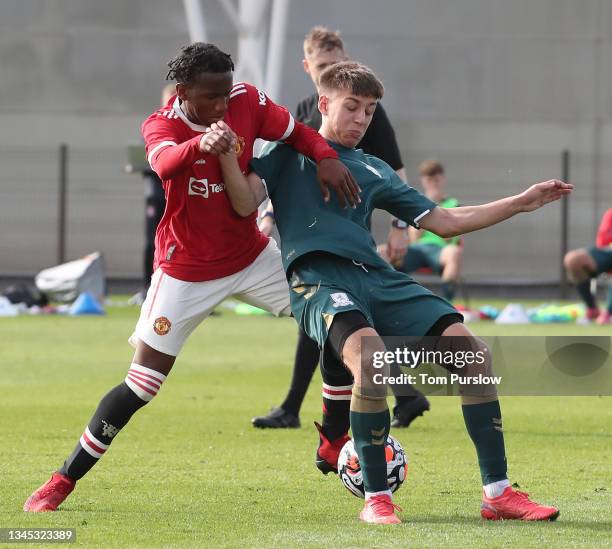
(104, 210)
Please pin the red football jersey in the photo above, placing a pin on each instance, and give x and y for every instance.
(604, 234)
(200, 237)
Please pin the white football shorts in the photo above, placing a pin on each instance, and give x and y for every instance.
(174, 308)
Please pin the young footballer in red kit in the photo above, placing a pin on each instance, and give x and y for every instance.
(205, 252)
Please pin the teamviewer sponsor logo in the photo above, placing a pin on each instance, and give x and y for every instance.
(198, 187)
(202, 187)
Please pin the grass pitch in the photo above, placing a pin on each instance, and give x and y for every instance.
(189, 470)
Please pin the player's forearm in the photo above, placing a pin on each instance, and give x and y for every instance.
(310, 143)
(239, 191)
(175, 159)
(466, 219)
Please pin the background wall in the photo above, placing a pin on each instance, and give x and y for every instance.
(494, 89)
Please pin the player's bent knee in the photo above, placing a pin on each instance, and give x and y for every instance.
(370, 389)
(144, 382)
(478, 372)
(569, 260)
(358, 344)
(576, 260)
(352, 342)
(472, 362)
(369, 374)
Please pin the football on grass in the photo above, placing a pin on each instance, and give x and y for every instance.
(349, 469)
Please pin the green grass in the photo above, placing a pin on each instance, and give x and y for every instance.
(190, 470)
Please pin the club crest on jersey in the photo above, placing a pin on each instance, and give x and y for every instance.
(162, 326)
(239, 146)
(340, 299)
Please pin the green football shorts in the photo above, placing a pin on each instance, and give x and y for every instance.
(323, 285)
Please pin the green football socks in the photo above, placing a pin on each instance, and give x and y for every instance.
(484, 425)
(370, 424)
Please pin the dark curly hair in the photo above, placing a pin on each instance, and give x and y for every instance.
(197, 58)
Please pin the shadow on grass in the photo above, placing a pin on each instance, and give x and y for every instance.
(603, 526)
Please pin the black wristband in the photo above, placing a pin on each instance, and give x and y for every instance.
(399, 224)
(267, 213)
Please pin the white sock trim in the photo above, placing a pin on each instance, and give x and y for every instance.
(339, 392)
(144, 382)
(338, 387)
(496, 489)
(144, 370)
(92, 445)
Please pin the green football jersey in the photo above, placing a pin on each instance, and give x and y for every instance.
(427, 237)
(306, 223)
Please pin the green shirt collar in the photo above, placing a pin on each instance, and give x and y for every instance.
(345, 151)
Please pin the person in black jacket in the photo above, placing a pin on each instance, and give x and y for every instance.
(322, 48)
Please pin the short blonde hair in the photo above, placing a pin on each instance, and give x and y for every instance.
(323, 39)
(354, 77)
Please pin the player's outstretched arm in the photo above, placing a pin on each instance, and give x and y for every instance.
(245, 193)
(465, 219)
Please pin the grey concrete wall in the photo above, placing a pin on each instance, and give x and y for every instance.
(495, 89)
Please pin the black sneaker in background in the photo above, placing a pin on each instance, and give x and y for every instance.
(406, 411)
(277, 418)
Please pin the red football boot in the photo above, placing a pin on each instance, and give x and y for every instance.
(380, 510)
(329, 451)
(513, 504)
(49, 496)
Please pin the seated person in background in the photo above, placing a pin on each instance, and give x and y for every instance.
(586, 263)
(442, 255)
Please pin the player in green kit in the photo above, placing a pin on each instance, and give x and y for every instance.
(342, 291)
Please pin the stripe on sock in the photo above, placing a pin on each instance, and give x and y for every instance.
(340, 392)
(144, 382)
(92, 445)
